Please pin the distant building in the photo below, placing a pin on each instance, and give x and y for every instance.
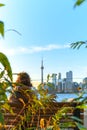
(69, 80)
(65, 85)
(54, 79)
(59, 84)
(69, 76)
(59, 76)
(84, 84)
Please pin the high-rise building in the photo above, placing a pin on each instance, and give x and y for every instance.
(59, 85)
(69, 80)
(59, 76)
(69, 76)
(54, 78)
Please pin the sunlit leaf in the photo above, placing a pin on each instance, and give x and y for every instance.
(83, 106)
(2, 4)
(49, 128)
(22, 101)
(2, 28)
(78, 2)
(5, 62)
(7, 107)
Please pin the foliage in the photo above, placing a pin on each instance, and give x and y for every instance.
(5, 82)
(78, 2)
(1, 5)
(4, 61)
(48, 86)
(78, 44)
(40, 103)
(2, 28)
(43, 100)
(1, 24)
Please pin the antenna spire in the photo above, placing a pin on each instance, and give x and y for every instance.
(42, 68)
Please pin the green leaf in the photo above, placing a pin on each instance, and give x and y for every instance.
(78, 2)
(7, 107)
(50, 85)
(80, 126)
(78, 44)
(76, 119)
(1, 74)
(48, 77)
(49, 128)
(2, 4)
(5, 62)
(2, 28)
(83, 106)
(1, 118)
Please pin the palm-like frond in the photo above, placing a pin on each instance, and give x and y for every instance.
(78, 44)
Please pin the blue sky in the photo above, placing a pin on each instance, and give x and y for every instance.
(47, 28)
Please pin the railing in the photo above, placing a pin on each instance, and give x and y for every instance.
(41, 118)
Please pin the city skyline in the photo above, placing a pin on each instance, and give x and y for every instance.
(45, 29)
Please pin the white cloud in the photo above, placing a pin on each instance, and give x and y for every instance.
(32, 49)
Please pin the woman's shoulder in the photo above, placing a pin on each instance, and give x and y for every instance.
(22, 87)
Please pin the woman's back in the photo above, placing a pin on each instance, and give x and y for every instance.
(22, 89)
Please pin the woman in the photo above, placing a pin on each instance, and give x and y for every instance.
(22, 96)
(22, 89)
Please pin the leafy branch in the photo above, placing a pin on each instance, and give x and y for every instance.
(78, 44)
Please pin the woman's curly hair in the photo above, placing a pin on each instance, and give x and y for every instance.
(24, 78)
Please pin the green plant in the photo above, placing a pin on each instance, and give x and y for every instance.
(44, 100)
(5, 83)
(1, 24)
(41, 104)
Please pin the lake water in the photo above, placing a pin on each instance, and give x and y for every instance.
(67, 96)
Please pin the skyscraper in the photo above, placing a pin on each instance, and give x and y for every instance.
(69, 81)
(69, 76)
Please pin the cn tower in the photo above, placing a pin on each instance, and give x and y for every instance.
(42, 68)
